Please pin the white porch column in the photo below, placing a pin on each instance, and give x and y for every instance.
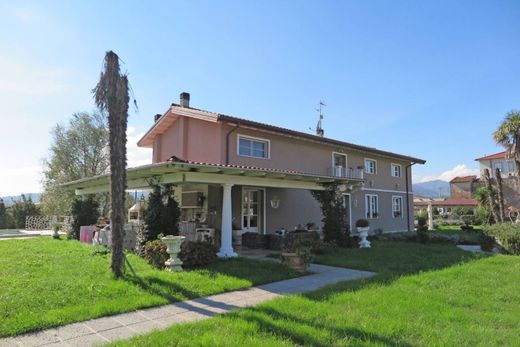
(226, 246)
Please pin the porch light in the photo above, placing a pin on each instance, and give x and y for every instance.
(275, 202)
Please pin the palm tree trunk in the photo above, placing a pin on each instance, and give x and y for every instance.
(111, 95)
(500, 192)
(491, 200)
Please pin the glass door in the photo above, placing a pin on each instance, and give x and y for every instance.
(251, 210)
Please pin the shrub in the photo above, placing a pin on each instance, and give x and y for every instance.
(507, 235)
(198, 253)
(334, 214)
(155, 253)
(362, 223)
(162, 212)
(83, 212)
(422, 230)
(322, 247)
(486, 242)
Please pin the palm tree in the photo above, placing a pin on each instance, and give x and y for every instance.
(111, 95)
(500, 195)
(508, 136)
(490, 196)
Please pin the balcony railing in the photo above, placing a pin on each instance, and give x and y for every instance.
(349, 172)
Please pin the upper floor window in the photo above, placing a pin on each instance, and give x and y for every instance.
(371, 205)
(253, 147)
(397, 206)
(396, 170)
(370, 166)
(339, 164)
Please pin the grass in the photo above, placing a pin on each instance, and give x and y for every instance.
(46, 282)
(424, 295)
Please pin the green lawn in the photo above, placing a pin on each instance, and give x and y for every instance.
(46, 282)
(424, 295)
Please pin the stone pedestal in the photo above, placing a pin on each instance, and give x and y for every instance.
(173, 243)
(363, 234)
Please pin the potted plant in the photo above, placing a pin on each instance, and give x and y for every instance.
(296, 253)
(363, 226)
(56, 227)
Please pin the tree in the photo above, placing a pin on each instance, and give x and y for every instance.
(3, 215)
(334, 214)
(78, 150)
(21, 209)
(171, 212)
(83, 212)
(111, 95)
(490, 195)
(508, 136)
(162, 212)
(153, 213)
(500, 195)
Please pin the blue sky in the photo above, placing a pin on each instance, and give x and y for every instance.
(427, 79)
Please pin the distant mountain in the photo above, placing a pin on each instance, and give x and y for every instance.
(9, 200)
(432, 189)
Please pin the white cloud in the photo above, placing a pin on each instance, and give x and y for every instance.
(20, 180)
(458, 170)
(136, 156)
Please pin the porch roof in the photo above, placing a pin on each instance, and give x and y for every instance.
(177, 171)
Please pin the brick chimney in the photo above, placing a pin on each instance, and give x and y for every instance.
(185, 99)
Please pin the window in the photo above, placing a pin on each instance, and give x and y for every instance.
(397, 206)
(250, 147)
(371, 205)
(396, 170)
(370, 166)
(339, 165)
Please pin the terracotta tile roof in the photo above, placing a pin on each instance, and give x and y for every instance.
(449, 202)
(281, 130)
(499, 155)
(461, 179)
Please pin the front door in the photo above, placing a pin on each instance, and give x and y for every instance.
(251, 211)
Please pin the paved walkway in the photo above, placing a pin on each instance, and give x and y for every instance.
(123, 326)
(470, 248)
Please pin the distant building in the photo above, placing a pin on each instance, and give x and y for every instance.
(462, 187)
(497, 161)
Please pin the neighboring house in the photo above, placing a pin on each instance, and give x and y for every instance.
(497, 161)
(232, 172)
(462, 187)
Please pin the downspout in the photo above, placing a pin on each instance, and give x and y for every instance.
(227, 141)
(408, 194)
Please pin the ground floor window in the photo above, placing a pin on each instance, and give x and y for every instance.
(371, 205)
(397, 206)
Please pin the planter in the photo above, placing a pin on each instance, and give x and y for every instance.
(294, 261)
(363, 234)
(173, 244)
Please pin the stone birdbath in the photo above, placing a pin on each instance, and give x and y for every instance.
(363, 227)
(173, 243)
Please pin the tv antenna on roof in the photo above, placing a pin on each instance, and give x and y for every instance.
(319, 129)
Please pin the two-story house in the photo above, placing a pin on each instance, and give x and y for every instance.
(233, 173)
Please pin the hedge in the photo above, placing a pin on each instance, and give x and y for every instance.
(507, 235)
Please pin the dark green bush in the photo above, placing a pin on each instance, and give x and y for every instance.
(155, 253)
(486, 242)
(422, 230)
(83, 212)
(507, 235)
(198, 253)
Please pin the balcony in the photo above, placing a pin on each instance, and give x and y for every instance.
(343, 172)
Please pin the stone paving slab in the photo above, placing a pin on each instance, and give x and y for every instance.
(122, 326)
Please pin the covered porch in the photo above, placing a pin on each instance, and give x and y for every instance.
(218, 198)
